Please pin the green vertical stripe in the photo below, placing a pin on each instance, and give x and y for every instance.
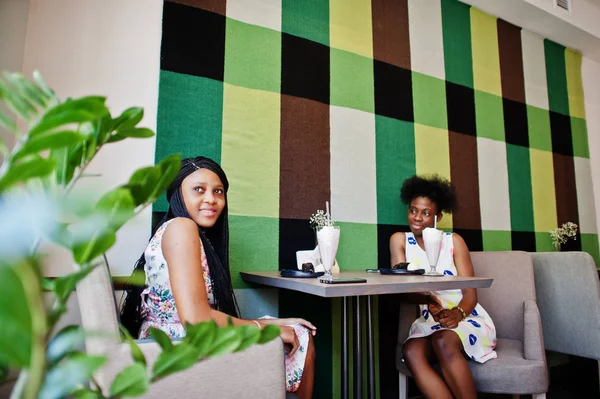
(556, 76)
(456, 27)
(395, 157)
(249, 251)
(589, 244)
(538, 125)
(543, 242)
(189, 119)
(580, 138)
(308, 19)
(496, 240)
(519, 188)
(359, 251)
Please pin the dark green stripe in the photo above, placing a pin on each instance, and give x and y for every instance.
(308, 19)
(395, 157)
(556, 76)
(519, 187)
(456, 28)
(189, 120)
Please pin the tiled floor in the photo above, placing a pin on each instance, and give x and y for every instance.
(577, 379)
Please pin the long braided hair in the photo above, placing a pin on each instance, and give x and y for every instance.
(215, 242)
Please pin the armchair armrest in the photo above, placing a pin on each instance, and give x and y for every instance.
(259, 371)
(533, 338)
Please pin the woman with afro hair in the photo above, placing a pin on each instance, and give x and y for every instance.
(452, 327)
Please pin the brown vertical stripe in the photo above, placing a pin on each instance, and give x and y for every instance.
(511, 61)
(465, 177)
(304, 157)
(216, 6)
(566, 191)
(391, 41)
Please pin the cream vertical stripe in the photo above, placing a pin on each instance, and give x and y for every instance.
(534, 69)
(426, 38)
(353, 177)
(265, 13)
(585, 196)
(493, 185)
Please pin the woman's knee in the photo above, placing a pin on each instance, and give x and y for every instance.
(446, 344)
(412, 351)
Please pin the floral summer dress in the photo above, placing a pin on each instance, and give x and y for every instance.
(477, 332)
(159, 310)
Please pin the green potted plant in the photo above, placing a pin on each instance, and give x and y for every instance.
(37, 176)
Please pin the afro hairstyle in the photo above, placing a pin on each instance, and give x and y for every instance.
(438, 189)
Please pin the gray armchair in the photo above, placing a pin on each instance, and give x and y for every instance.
(256, 372)
(568, 292)
(521, 364)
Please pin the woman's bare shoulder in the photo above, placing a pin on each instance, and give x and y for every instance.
(398, 237)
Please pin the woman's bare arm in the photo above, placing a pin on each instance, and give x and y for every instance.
(464, 267)
(397, 242)
(182, 250)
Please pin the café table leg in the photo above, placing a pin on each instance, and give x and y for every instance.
(357, 349)
(370, 350)
(345, 369)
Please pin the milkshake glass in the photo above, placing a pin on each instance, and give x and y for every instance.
(328, 238)
(432, 239)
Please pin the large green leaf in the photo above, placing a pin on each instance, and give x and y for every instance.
(15, 319)
(84, 252)
(118, 206)
(135, 132)
(131, 381)
(65, 285)
(85, 109)
(136, 352)
(27, 89)
(66, 376)
(86, 393)
(37, 77)
(49, 140)
(269, 333)
(169, 168)
(249, 335)
(161, 338)
(228, 339)
(201, 336)
(65, 341)
(64, 170)
(3, 372)
(128, 119)
(8, 122)
(180, 357)
(142, 184)
(16, 102)
(25, 169)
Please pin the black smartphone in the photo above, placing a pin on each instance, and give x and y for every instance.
(344, 280)
(372, 270)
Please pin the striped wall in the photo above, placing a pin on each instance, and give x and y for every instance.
(304, 102)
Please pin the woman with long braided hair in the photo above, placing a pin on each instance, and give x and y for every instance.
(186, 264)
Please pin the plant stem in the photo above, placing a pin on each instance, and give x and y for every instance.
(37, 361)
